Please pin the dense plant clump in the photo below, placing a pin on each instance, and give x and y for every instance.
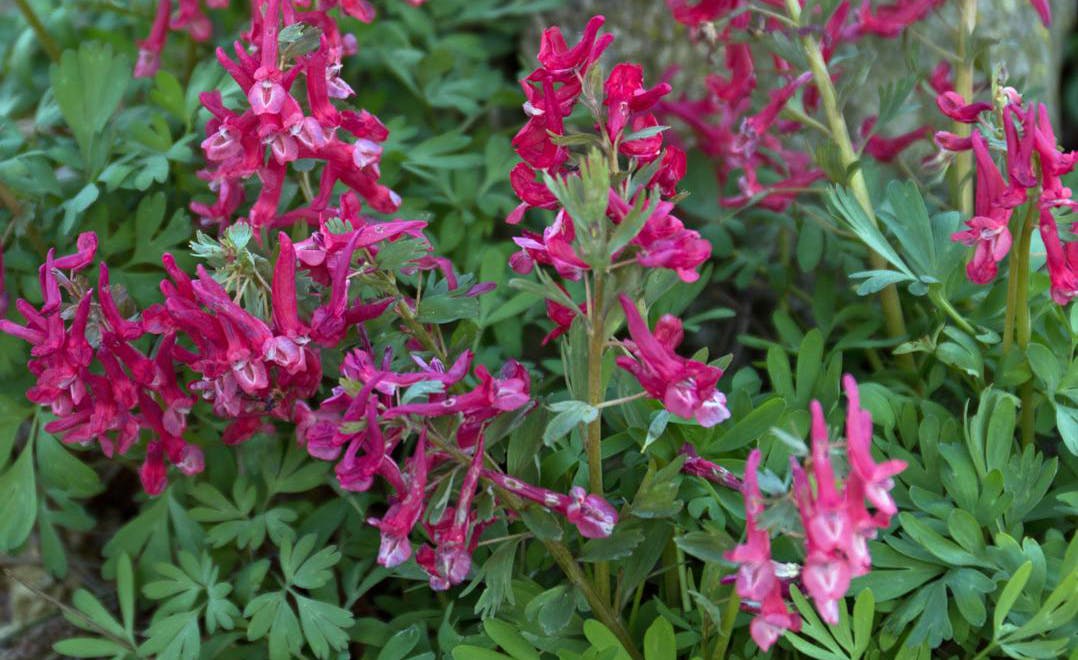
(302, 330)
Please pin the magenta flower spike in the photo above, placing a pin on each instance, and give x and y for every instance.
(755, 574)
(877, 478)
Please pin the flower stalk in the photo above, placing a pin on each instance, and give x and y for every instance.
(52, 49)
(1023, 330)
(593, 441)
(962, 183)
(840, 134)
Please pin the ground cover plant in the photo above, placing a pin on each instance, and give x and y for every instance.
(409, 329)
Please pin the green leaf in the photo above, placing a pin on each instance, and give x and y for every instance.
(88, 85)
(18, 501)
(659, 642)
(125, 590)
(400, 644)
(470, 652)
(152, 237)
(946, 550)
(553, 609)
(1010, 593)
(59, 469)
(849, 209)
(570, 415)
(864, 609)
(541, 523)
(323, 625)
(620, 544)
(631, 225)
(308, 572)
(270, 615)
(659, 421)
(175, 636)
(75, 206)
(809, 363)
(874, 281)
(965, 529)
(12, 415)
(751, 427)
(88, 647)
(446, 308)
(1046, 366)
(657, 496)
(511, 641)
(168, 94)
(602, 639)
(710, 546)
(1067, 423)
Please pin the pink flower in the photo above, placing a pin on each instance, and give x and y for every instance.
(685, 387)
(404, 512)
(890, 20)
(560, 61)
(1044, 10)
(774, 619)
(592, 515)
(755, 574)
(954, 106)
(149, 49)
(1062, 259)
(702, 11)
(886, 149)
(994, 203)
(625, 95)
(877, 478)
(455, 535)
(701, 467)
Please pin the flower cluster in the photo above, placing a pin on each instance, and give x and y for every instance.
(837, 525)
(190, 18)
(744, 143)
(1034, 167)
(376, 409)
(628, 131)
(94, 378)
(628, 128)
(236, 143)
(253, 349)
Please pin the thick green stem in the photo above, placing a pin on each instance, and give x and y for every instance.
(962, 181)
(1023, 331)
(1012, 299)
(599, 606)
(52, 49)
(594, 438)
(1017, 264)
(840, 134)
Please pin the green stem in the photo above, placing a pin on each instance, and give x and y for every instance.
(52, 49)
(594, 438)
(962, 182)
(937, 298)
(840, 135)
(1023, 330)
(598, 605)
(985, 651)
(729, 615)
